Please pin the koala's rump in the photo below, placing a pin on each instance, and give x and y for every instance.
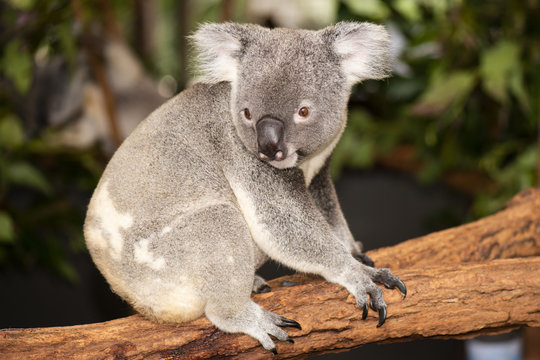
(163, 225)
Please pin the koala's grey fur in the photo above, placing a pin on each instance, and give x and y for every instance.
(193, 203)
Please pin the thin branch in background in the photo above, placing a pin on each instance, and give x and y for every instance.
(226, 10)
(98, 69)
(145, 20)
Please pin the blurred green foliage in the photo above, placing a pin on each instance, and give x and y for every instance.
(464, 97)
(43, 188)
(43, 191)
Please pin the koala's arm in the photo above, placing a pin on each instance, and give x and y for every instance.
(324, 195)
(287, 225)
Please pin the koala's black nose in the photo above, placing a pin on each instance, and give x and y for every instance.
(270, 139)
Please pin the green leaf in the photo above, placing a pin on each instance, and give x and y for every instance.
(11, 132)
(445, 90)
(22, 173)
(67, 43)
(500, 68)
(17, 65)
(24, 5)
(373, 9)
(409, 9)
(525, 167)
(66, 270)
(7, 232)
(518, 89)
(359, 121)
(485, 204)
(440, 8)
(364, 153)
(430, 172)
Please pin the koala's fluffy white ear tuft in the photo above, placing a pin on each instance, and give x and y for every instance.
(218, 47)
(364, 49)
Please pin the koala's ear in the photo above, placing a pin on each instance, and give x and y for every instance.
(364, 49)
(218, 48)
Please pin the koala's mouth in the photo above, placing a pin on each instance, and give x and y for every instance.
(284, 162)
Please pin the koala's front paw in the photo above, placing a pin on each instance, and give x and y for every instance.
(389, 280)
(368, 287)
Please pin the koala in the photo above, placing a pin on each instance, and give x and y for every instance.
(235, 171)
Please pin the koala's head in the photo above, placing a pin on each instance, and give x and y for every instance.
(290, 88)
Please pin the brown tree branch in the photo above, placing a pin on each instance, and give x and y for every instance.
(451, 294)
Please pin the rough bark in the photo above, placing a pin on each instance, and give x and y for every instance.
(483, 277)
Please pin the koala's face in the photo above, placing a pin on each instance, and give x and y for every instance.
(290, 87)
(289, 99)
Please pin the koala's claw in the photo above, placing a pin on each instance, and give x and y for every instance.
(365, 312)
(389, 280)
(397, 283)
(382, 316)
(401, 287)
(289, 322)
(274, 351)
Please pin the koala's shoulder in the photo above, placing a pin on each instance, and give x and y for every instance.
(191, 108)
(204, 95)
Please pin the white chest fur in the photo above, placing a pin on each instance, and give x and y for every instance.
(311, 166)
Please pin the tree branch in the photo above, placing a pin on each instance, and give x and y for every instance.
(451, 294)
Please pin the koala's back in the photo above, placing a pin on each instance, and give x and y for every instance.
(147, 214)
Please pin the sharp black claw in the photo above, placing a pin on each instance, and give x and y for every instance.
(274, 350)
(398, 284)
(291, 323)
(291, 341)
(382, 316)
(364, 312)
(402, 288)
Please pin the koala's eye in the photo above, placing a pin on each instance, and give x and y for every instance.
(246, 113)
(303, 112)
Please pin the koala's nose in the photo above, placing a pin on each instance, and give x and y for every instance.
(270, 139)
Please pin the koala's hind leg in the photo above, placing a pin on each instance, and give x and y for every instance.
(230, 308)
(249, 318)
(227, 276)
